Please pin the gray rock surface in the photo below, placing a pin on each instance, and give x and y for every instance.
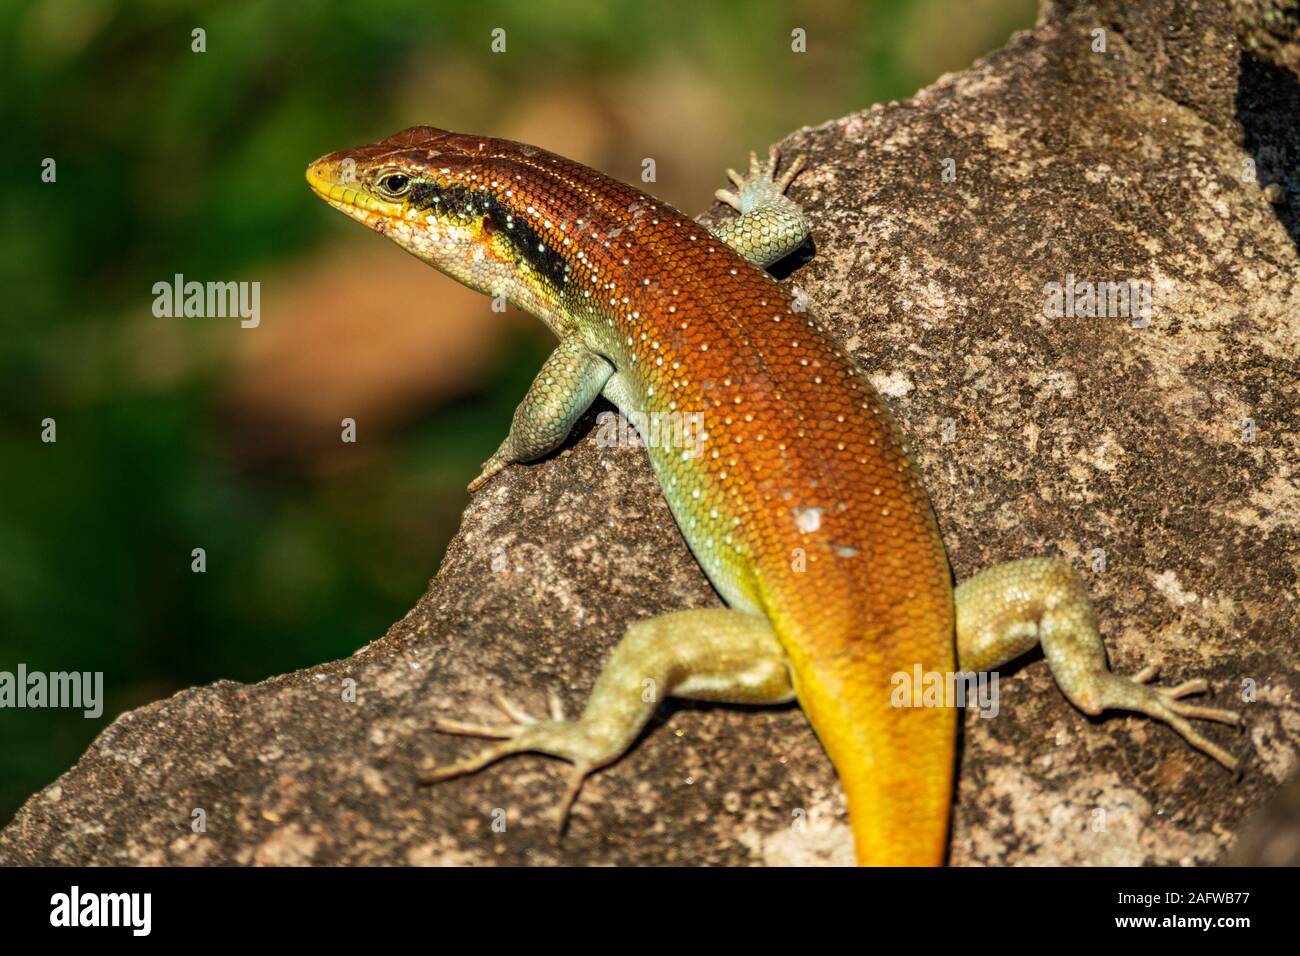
(1074, 436)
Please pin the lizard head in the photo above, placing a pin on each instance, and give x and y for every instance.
(445, 197)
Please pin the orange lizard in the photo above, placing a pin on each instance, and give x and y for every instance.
(784, 470)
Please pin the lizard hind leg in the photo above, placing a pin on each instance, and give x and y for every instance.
(712, 654)
(771, 225)
(1003, 611)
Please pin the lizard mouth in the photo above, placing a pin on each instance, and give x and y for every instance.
(350, 197)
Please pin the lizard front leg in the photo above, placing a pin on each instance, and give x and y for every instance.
(771, 225)
(571, 378)
(714, 654)
(1005, 610)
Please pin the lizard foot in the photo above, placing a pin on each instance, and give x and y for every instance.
(557, 737)
(491, 468)
(1165, 704)
(761, 183)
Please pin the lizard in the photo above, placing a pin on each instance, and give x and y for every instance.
(797, 494)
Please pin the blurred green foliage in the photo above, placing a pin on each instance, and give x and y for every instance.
(173, 161)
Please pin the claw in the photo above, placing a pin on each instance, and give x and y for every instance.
(1229, 717)
(1187, 688)
(791, 172)
(463, 728)
(513, 711)
(762, 176)
(490, 470)
(519, 736)
(557, 707)
(468, 765)
(576, 777)
(1147, 674)
(1190, 734)
(729, 197)
(1164, 704)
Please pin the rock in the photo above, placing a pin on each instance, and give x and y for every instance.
(1272, 836)
(1156, 454)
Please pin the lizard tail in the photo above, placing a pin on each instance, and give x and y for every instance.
(894, 754)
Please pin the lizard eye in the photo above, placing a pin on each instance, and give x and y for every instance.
(394, 185)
